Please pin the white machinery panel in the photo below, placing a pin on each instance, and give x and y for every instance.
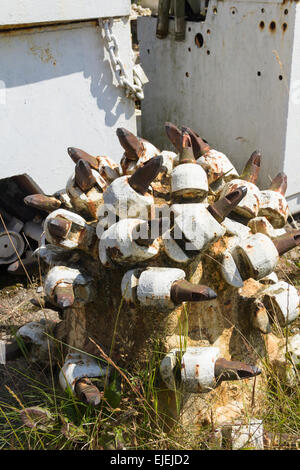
(58, 90)
(240, 89)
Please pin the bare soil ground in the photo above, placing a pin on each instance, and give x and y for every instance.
(16, 310)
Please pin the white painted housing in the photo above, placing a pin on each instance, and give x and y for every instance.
(197, 225)
(197, 368)
(283, 302)
(118, 245)
(73, 239)
(79, 365)
(121, 198)
(129, 284)
(257, 255)
(189, 180)
(38, 335)
(249, 206)
(229, 269)
(216, 164)
(63, 275)
(154, 287)
(274, 207)
(262, 225)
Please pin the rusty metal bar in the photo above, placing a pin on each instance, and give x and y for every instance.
(84, 177)
(131, 144)
(78, 154)
(222, 208)
(252, 168)
(144, 175)
(184, 291)
(234, 370)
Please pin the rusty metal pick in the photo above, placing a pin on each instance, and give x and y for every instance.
(174, 135)
(287, 242)
(252, 168)
(162, 26)
(279, 183)
(220, 209)
(87, 391)
(131, 144)
(184, 291)
(64, 295)
(144, 175)
(84, 177)
(186, 154)
(42, 202)
(78, 154)
(179, 27)
(199, 146)
(234, 370)
(59, 227)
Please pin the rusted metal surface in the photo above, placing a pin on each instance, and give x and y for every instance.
(78, 154)
(184, 291)
(179, 12)
(200, 147)
(88, 392)
(12, 193)
(78, 366)
(83, 176)
(174, 135)
(186, 154)
(64, 295)
(248, 207)
(42, 202)
(144, 175)
(137, 151)
(251, 170)
(234, 370)
(59, 227)
(273, 204)
(287, 242)
(279, 183)
(162, 27)
(131, 144)
(222, 208)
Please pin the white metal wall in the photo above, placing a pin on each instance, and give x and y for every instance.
(235, 89)
(57, 90)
